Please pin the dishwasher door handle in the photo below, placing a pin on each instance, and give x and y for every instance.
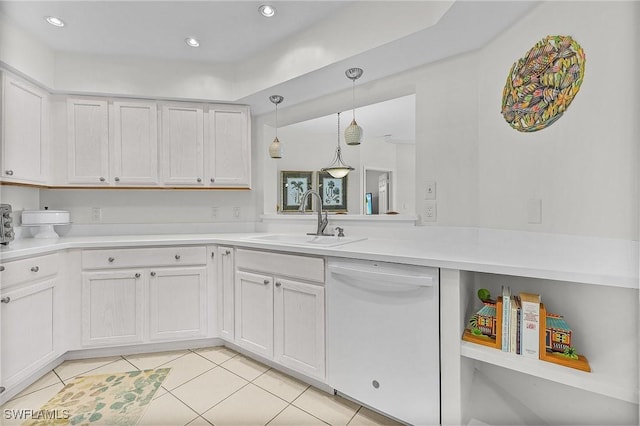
(382, 276)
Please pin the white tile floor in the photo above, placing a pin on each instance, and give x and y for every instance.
(214, 386)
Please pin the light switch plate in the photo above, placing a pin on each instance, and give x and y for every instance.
(430, 190)
(534, 211)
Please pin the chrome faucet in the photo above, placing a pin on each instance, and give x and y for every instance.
(322, 221)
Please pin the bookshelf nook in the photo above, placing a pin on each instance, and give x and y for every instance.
(494, 340)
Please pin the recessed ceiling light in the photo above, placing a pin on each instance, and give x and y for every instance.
(192, 42)
(56, 22)
(267, 10)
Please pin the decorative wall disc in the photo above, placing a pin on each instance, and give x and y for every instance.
(541, 85)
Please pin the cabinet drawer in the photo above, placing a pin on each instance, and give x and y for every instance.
(19, 271)
(147, 257)
(303, 267)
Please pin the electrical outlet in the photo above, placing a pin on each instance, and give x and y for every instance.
(214, 212)
(429, 212)
(96, 214)
(430, 190)
(236, 212)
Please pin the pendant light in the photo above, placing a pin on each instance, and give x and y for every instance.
(353, 133)
(275, 149)
(338, 169)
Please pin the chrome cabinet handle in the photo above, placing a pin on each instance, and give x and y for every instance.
(102, 179)
(9, 172)
(278, 283)
(153, 274)
(265, 282)
(117, 179)
(137, 275)
(227, 252)
(212, 180)
(199, 180)
(2, 389)
(5, 299)
(35, 268)
(177, 256)
(111, 259)
(1, 268)
(213, 254)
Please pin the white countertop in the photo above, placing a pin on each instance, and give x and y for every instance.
(588, 260)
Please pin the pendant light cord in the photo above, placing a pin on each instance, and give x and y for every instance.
(276, 120)
(338, 151)
(353, 103)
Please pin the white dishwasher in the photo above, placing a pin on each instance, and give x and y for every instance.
(383, 337)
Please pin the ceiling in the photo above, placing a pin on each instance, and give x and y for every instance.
(228, 31)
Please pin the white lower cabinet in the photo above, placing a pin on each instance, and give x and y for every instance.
(254, 312)
(29, 319)
(112, 307)
(225, 292)
(299, 326)
(140, 295)
(27, 331)
(280, 309)
(177, 303)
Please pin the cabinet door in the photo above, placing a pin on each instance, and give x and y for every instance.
(182, 145)
(24, 149)
(229, 146)
(225, 289)
(177, 303)
(27, 331)
(299, 326)
(254, 312)
(135, 143)
(88, 139)
(112, 307)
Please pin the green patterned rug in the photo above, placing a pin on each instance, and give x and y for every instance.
(114, 399)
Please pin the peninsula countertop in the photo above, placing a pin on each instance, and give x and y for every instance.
(589, 260)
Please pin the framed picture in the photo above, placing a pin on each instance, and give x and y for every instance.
(294, 185)
(333, 192)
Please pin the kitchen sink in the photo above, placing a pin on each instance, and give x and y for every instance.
(306, 240)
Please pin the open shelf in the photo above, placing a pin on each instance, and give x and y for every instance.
(622, 388)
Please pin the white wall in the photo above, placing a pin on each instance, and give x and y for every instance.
(121, 206)
(25, 54)
(585, 166)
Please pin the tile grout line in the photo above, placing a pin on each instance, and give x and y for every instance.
(354, 415)
(219, 402)
(202, 356)
(58, 376)
(191, 379)
(305, 411)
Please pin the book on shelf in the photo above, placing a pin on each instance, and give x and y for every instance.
(530, 325)
(514, 341)
(506, 313)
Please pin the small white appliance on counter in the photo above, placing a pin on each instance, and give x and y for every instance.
(383, 337)
(45, 220)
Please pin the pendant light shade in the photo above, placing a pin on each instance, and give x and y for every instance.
(353, 133)
(275, 149)
(338, 168)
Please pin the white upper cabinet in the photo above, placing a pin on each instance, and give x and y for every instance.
(25, 154)
(106, 142)
(88, 141)
(182, 145)
(229, 144)
(134, 147)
